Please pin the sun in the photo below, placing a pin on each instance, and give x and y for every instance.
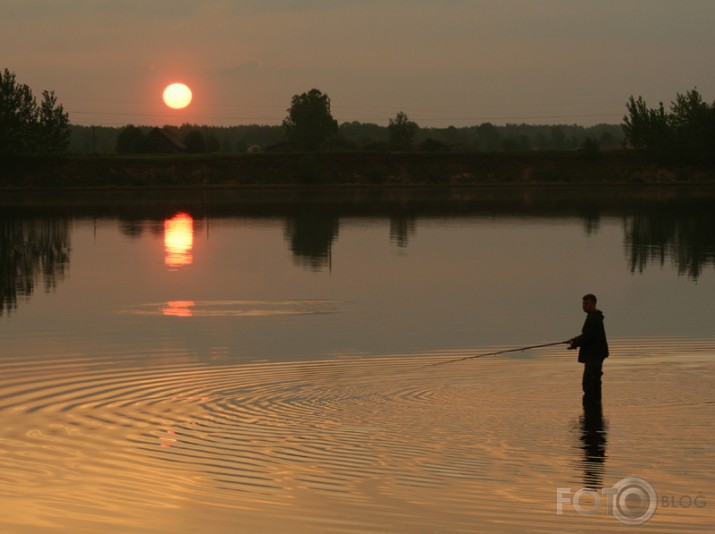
(177, 95)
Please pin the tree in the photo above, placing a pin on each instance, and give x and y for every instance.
(212, 144)
(195, 142)
(402, 132)
(488, 137)
(558, 138)
(131, 140)
(52, 125)
(309, 123)
(687, 131)
(17, 114)
(646, 128)
(693, 124)
(25, 127)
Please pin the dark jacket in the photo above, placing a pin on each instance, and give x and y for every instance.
(592, 343)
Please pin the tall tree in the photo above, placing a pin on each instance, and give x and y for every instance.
(18, 111)
(309, 123)
(688, 130)
(25, 127)
(53, 132)
(402, 132)
(693, 124)
(645, 127)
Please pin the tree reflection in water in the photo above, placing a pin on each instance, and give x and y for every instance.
(684, 236)
(401, 228)
(32, 251)
(659, 225)
(311, 236)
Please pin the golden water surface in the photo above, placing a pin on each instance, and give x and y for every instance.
(169, 367)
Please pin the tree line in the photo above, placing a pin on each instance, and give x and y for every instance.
(361, 136)
(32, 128)
(310, 126)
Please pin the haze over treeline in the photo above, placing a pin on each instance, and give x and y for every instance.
(444, 63)
(29, 128)
(373, 137)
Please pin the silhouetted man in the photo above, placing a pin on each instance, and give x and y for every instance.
(593, 349)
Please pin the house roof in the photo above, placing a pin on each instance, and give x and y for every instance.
(170, 137)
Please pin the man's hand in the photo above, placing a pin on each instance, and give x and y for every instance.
(570, 344)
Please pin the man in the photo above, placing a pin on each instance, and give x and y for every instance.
(593, 349)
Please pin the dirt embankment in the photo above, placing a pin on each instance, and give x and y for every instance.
(348, 169)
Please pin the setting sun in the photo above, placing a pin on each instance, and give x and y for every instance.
(177, 95)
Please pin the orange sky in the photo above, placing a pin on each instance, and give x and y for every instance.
(457, 62)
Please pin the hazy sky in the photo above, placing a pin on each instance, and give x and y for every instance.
(449, 62)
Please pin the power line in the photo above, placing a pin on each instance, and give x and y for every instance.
(418, 119)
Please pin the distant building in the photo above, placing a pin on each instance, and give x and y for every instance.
(166, 141)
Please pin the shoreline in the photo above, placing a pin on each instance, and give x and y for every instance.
(342, 170)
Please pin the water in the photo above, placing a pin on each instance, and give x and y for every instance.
(260, 361)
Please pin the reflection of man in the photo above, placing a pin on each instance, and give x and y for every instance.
(593, 438)
(593, 349)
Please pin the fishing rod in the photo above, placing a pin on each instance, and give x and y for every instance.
(498, 352)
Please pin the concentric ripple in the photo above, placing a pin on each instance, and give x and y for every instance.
(234, 308)
(379, 440)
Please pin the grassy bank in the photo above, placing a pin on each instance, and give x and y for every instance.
(346, 169)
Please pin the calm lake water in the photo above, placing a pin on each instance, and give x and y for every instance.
(261, 361)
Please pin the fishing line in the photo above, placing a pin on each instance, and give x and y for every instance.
(495, 353)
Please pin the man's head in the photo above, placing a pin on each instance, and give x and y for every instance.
(589, 303)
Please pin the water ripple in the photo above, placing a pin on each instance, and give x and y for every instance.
(384, 432)
(234, 308)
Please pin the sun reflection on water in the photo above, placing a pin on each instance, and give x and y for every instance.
(178, 308)
(178, 241)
